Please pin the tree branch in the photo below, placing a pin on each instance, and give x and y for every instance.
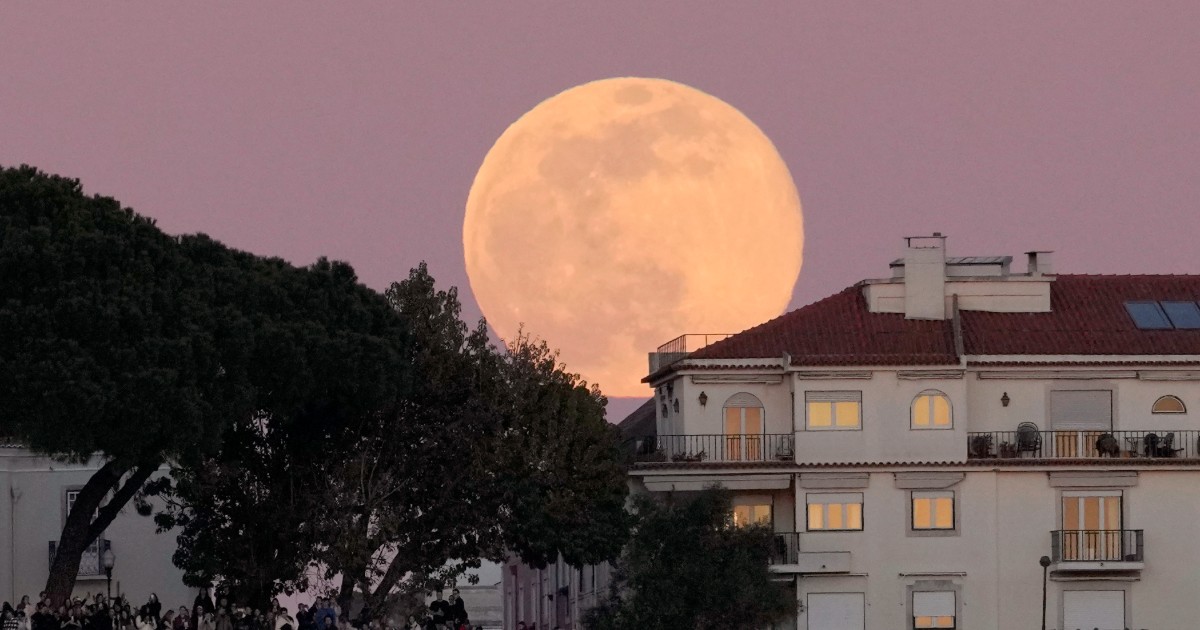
(110, 510)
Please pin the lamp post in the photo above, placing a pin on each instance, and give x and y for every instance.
(107, 560)
(1045, 562)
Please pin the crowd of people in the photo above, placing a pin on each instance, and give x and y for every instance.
(98, 612)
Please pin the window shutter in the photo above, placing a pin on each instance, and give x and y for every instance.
(844, 396)
(933, 604)
(1082, 409)
(743, 399)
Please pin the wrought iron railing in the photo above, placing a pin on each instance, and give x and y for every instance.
(1096, 545)
(720, 448)
(786, 548)
(1083, 444)
(90, 562)
(691, 342)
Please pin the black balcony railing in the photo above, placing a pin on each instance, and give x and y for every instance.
(1083, 444)
(1096, 545)
(89, 562)
(720, 448)
(786, 548)
(691, 342)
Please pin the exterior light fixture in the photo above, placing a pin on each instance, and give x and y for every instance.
(676, 405)
(108, 560)
(703, 399)
(1004, 399)
(1045, 562)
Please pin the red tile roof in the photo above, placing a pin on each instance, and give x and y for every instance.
(1087, 317)
(839, 330)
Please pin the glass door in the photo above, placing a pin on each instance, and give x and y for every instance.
(1091, 527)
(743, 433)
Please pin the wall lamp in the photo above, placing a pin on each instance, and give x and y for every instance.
(1004, 399)
(703, 399)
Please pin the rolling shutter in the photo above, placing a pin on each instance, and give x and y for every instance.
(835, 611)
(1081, 409)
(1085, 610)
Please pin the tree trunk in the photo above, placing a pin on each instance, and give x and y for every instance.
(81, 529)
(396, 571)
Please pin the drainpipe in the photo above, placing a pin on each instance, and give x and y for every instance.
(12, 539)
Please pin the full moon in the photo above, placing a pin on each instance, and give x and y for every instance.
(622, 213)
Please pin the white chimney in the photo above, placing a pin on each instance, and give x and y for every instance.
(925, 277)
(1041, 263)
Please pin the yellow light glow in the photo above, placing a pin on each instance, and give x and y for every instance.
(622, 213)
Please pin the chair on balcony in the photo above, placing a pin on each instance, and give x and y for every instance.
(1108, 446)
(1167, 447)
(1150, 444)
(1029, 438)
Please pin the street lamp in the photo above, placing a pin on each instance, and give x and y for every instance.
(1045, 562)
(108, 559)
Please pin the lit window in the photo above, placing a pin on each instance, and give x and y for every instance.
(1168, 404)
(833, 410)
(834, 512)
(743, 428)
(931, 410)
(932, 510)
(756, 514)
(933, 609)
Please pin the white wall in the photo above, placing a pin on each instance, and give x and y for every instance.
(32, 513)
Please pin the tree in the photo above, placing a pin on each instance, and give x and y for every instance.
(328, 357)
(686, 566)
(111, 348)
(479, 451)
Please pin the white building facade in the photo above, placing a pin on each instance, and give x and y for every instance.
(35, 495)
(920, 442)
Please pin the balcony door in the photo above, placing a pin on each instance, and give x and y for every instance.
(1078, 417)
(743, 428)
(1091, 526)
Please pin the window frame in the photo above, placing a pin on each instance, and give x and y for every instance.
(915, 531)
(1154, 409)
(914, 594)
(832, 397)
(931, 394)
(830, 496)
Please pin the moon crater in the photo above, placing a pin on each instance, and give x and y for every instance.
(622, 213)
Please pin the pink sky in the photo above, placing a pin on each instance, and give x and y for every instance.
(354, 130)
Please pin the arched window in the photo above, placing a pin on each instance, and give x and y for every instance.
(1168, 404)
(931, 410)
(744, 423)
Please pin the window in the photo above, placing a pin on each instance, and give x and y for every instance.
(835, 512)
(833, 410)
(933, 609)
(1183, 315)
(1148, 315)
(836, 611)
(931, 410)
(743, 427)
(756, 514)
(933, 510)
(1168, 404)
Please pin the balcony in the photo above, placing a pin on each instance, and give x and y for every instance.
(716, 448)
(1096, 549)
(1033, 444)
(786, 557)
(89, 562)
(682, 346)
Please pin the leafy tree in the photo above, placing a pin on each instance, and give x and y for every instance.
(328, 357)
(687, 567)
(111, 348)
(481, 450)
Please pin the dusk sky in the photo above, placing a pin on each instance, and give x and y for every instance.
(354, 131)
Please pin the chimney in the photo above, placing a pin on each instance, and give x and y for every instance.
(1041, 263)
(925, 277)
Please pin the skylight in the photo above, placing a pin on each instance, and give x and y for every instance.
(1148, 315)
(1185, 315)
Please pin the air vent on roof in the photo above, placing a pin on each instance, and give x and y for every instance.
(1151, 315)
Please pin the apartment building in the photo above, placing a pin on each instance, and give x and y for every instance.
(36, 493)
(940, 447)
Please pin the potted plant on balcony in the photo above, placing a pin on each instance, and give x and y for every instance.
(1008, 449)
(658, 455)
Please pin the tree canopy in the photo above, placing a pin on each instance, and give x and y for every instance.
(687, 566)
